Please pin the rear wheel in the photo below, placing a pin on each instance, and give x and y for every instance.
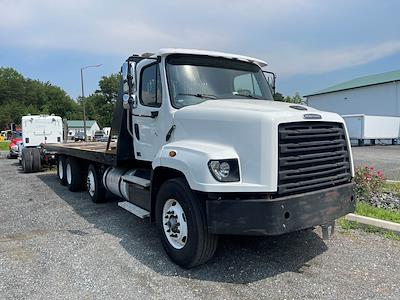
(36, 160)
(95, 187)
(61, 170)
(181, 224)
(27, 160)
(73, 174)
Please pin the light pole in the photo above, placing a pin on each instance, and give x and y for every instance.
(83, 98)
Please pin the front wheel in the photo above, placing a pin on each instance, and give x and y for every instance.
(181, 224)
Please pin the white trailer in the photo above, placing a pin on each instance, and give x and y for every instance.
(38, 130)
(365, 127)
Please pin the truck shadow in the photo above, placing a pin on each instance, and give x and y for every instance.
(237, 260)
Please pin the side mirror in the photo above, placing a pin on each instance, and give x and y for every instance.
(129, 83)
(271, 78)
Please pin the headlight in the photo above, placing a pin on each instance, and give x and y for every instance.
(226, 170)
(14, 147)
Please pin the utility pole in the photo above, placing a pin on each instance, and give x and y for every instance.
(83, 99)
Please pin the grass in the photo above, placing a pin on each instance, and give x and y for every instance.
(392, 187)
(4, 145)
(367, 210)
(349, 225)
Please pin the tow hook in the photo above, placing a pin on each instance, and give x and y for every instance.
(328, 230)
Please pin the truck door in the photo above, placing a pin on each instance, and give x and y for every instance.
(147, 115)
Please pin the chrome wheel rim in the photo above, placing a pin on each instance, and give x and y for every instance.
(175, 224)
(60, 170)
(69, 173)
(91, 184)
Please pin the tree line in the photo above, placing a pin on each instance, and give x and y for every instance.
(292, 99)
(20, 96)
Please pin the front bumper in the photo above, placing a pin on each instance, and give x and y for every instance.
(279, 215)
(13, 153)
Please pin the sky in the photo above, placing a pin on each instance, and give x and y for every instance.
(309, 44)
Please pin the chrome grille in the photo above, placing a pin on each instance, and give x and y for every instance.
(312, 156)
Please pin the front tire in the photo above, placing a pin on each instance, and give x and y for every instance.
(74, 176)
(95, 187)
(181, 224)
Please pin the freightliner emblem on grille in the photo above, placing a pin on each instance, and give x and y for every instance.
(312, 116)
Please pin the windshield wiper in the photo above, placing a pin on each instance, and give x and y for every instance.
(248, 96)
(204, 96)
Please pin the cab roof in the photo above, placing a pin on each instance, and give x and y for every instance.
(167, 51)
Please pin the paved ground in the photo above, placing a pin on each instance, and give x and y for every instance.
(58, 244)
(386, 158)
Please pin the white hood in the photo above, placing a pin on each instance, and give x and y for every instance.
(247, 129)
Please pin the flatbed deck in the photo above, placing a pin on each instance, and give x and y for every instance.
(93, 151)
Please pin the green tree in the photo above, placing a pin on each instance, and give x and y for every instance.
(291, 99)
(278, 97)
(100, 105)
(297, 98)
(21, 96)
(288, 99)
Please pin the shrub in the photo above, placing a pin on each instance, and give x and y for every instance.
(368, 182)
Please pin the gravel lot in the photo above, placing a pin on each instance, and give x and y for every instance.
(386, 158)
(58, 244)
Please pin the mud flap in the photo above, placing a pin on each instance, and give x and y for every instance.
(328, 230)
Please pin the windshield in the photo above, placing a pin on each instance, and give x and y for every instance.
(196, 78)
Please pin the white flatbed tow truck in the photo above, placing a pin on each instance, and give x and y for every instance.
(203, 150)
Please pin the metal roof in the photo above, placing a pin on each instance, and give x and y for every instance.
(361, 82)
(167, 51)
(79, 123)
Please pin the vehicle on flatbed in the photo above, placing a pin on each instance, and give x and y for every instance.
(37, 130)
(203, 150)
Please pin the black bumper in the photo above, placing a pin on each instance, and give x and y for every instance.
(279, 215)
(13, 154)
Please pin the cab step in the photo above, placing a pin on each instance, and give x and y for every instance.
(134, 209)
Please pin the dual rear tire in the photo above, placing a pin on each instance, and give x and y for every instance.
(73, 174)
(61, 170)
(70, 173)
(31, 160)
(94, 183)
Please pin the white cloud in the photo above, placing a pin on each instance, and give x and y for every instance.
(113, 27)
(308, 61)
(269, 30)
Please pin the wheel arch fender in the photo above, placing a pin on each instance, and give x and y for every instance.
(188, 160)
(191, 159)
(158, 176)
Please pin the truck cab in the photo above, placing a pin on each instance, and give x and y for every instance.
(203, 150)
(36, 131)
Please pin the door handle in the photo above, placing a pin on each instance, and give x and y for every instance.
(153, 115)
(137, 134)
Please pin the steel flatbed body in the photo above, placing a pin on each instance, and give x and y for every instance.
(91, 151)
